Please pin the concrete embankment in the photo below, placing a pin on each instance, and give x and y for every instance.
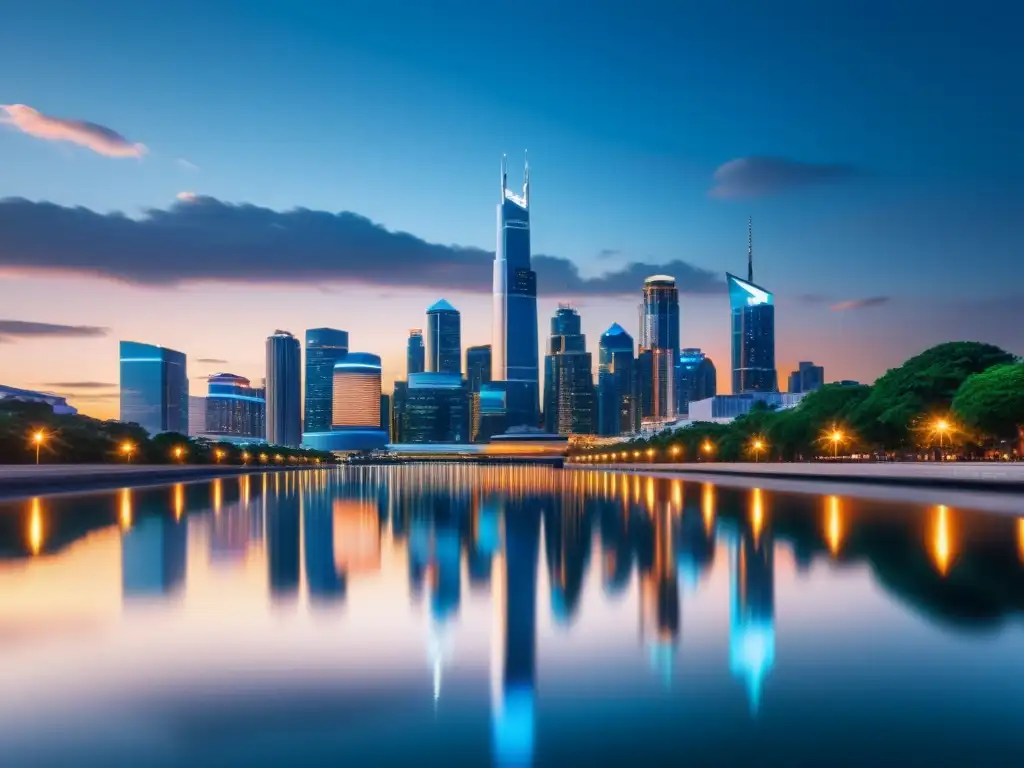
(1005, 477)
(18, 480)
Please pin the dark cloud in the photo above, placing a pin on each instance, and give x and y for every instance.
(203, 239)
(13, 329)
(211, 361)
(79, 385)
(764, 176)
(873, 301)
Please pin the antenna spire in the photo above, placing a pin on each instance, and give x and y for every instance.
(526, 178)
(750, 249)
(504, 175)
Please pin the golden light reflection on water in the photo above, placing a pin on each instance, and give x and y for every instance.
(833, 524)
(756, 514)
(677, 495)
(941, 540)
(707, 506)
(218, 495)
(179, 500)
(125, 514)
(35, 526)
(1020, 538)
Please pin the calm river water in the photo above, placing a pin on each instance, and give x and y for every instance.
(454, 615)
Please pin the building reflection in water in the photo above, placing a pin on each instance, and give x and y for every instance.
(516, 605)
(659, 593)
(153, 556)
(567, 544)
(697, 537)
(752, 600)
(324, 580)
(282, 527)
(486, 541)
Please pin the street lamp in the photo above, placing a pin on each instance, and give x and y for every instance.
(178, 452)
(837, 438)
(757, 446)
(676, 450)
(245, 457)
(650, 454)
(707, 447)
(219, 454)
(128, 448)
(942, 427)
(38, 438)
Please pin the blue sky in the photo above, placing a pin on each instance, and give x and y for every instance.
(400, 112)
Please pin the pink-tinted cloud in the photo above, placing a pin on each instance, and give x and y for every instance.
(98, 138)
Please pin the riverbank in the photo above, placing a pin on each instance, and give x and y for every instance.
(32, 480)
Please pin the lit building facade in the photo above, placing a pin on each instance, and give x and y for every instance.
(618, 404)
(696, 379)
(753, 337)
(478, 366)
(659, 336)
(196, 416)
(154, 387)
(444, 339)
(357, 392)
(724, 408)
(58, 404)
(415, 353)
(436, 409)
(568, 378)
(807, 378)
(233, 409)
(284, 390)
(515, 347)
(324, 347)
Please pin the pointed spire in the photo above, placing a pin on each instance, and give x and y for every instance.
(750, 249)
(526, 179)
(504, 175)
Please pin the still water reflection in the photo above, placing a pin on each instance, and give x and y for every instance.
(473, 616)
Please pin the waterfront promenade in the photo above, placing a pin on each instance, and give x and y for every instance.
(24, 480)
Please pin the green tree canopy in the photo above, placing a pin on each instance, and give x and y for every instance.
(993, 401)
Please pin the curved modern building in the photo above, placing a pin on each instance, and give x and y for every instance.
(444, 339)
(355, 413)
(659, 342)
(233, 408)
(515, 349)
(753, 337)
(284, 390)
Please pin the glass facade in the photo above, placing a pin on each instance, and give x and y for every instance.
(493, 413)
(415, 353)
(436, 409)
(357, 392)
(696, 379)
(154, 388)
(478, 367)
(753, 337)
(568, 378)
(284, 390)
(324, 347)
(659, 335)
(618, 406)
(516, 347)
(444, 339)
(233, 408)
(807, 378)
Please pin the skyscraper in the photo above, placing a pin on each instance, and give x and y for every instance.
(356, 394)
(515, 349)
(233, 408)
(284, 390)
(659, 335)
(436, 409)
(324, 347)
(696, 379)
(568, 377)
(807, 378)
(415, 354)
(444, 338)
(753, 331)
(618, 404)
(478, 366)
(154, 387)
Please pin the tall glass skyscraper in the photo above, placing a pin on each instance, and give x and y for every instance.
(659, 335)
(696, 379)
(568, 377)
(753, 337)
(516, 348)
(233, 409)
(478, 366)
(618, 401)
(444, 338)
(415, 354)
(436, 409)
(284, 390)
(324, 347)
(154, 388)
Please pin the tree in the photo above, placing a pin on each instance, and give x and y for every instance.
(993, 402)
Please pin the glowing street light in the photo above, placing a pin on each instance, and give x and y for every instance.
(219, 455)
(38, 439)
(707, 447)
(650, 454)
(179, 452)
(636, 454)
(942, 428)
(128, 448)
(245, 457)
(676, 450)
(757, 446)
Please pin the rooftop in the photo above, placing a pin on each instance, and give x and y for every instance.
(442, 306)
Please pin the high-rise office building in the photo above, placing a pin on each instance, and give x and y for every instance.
(696, 379)
(436, 409)
(415, 353)
(324, 347)
(356, 398)
(196, 416)
(618, 401)
(515, 347)
(478, 366)
(753, 331)
(807, 378)
(234, 410)
(659, 336)
(385, 414)
(284, 390)
(154, 388)
(398, 399)
(568, 377)
(444, 338)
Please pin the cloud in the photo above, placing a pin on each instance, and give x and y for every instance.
(212, 361)
(78, 385)
(181, 162)
(849, 304)
(25, 329)
(187, 197)
(206, 240)
(764, 176)
(98, 138)
(608, 253)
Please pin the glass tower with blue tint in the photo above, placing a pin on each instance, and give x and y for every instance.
(233, 408)
(154, 388)
(659, 336)
(515, 350)
(284, 390)
(478, 366)
(696, 379)
(444, 338)
(324, 347)
(618, 400)
(753, 337)
(415, 354)
(568, 377)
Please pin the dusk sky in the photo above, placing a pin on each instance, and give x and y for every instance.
(198, 174)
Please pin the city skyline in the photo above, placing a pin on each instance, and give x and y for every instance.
(862, 227)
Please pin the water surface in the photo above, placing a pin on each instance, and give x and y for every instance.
(456, 615)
